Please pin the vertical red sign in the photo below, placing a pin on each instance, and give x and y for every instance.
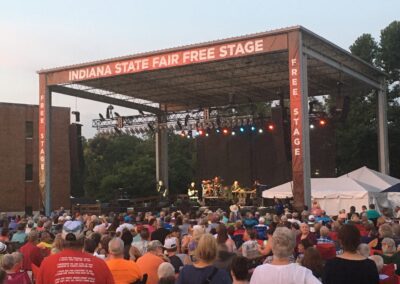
(42, 136)
(296, 119)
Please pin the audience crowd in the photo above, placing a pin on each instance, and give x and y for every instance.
(204, 246)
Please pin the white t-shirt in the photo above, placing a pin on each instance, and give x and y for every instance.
(283, 274)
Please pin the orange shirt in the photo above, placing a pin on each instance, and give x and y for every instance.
(124, 271)
(149, 264)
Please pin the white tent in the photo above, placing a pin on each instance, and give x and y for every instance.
(376, 179)
(332, 194)
(372, 177)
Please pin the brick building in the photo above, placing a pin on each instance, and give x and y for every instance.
(19, 187)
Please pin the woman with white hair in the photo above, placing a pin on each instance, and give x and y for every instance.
(390, 255)
(280, 270)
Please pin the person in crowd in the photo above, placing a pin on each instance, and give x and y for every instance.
(301, 249)
(239, 270)
(166, 273)
(171, 247)
(4, 236)
(390, 253)
(224, 258)
(261, 229)
(64, 266)
(350, 267)
(160, 234)
(324, 236)
(202, 271)
(123, 271)
(379, 265)
(364, 250)
(151, 260)
(312, 260)
(250, 246)
(306, 234)
(280, 270)
(30, 251)
(141, 245)
(12, 264)
(223, 238)
(372, 214)
(19, 236)
(384, 231)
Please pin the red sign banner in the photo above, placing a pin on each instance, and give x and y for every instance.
(202, 54)
(42, 135)
(296, 119)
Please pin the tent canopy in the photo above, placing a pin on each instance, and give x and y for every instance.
(326, 188)
(372, 177)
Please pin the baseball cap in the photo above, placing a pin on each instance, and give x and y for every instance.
(3, 247)
(72, 230)
(170, 243)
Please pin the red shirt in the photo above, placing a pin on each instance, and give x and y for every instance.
(32, 254)
(74, 267)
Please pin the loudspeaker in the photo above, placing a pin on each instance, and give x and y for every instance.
(28, 211)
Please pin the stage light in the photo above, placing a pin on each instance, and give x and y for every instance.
(217, 130)
(201, 132)
(322, 122)
(183, 134)
(190, 134)
(260, 130)
(253, 128)
(271, 127)
(312, 126)
(241, 129)
(225, 131)
(207, 134)
(233, 133)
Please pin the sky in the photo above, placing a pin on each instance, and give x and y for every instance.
(42, 34)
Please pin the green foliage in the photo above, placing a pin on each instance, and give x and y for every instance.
(389, 54)
(356, 137)
(365, 47)
(128, 162)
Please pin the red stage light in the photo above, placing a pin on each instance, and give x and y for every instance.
(271, 127)
(225, 131)
(322, 122)
(201, 132)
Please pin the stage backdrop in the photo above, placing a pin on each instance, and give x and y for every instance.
(267, 156)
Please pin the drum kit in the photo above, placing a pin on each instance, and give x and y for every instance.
(213, 189)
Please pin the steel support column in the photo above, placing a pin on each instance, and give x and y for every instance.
(300, 139)
(161, 136)
(382, 130)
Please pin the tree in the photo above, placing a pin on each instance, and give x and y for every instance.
(365, 47)
(127, 163)
(389, 53)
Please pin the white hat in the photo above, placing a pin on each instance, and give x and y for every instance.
(3, 247)
(170, 243)
(72, 229)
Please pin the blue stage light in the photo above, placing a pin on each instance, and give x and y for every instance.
(241, 129)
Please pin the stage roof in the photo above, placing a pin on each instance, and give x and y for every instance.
(230, 71)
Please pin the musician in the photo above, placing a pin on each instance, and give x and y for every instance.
(161, 189)
(217, 186)
(192, 192)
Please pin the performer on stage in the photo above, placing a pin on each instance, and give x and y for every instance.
(192, 192)
(217, 186)
(161, 189)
